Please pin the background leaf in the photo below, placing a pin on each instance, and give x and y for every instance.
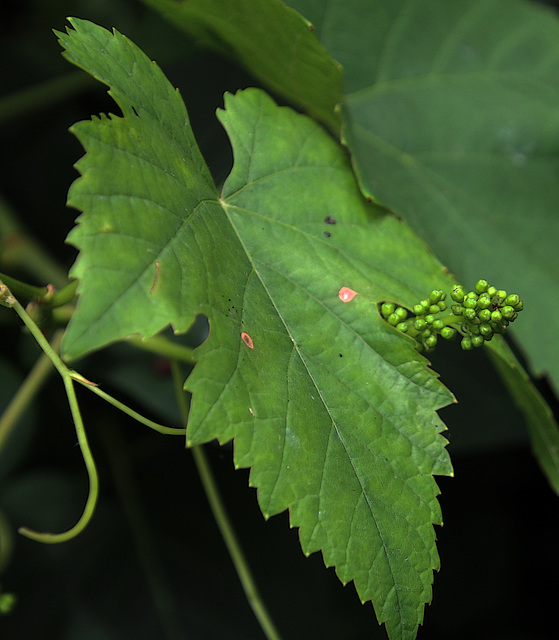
(272, 40)
(332, 408)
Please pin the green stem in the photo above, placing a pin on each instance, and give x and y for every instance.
(22, 289)
(64, 295)
(26, 392)
(6, 542)
(42, 341)
(122, 407)
(53, 538)
(43, 95)
(223, 522)
(17, 249)
(68, 377)
(146, 546)
(164, 347)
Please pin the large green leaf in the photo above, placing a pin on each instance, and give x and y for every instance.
(333, 409)
(443, 110)
(275, 42)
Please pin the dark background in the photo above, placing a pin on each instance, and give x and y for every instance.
(152, 563)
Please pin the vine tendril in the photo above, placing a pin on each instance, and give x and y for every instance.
(69, 376)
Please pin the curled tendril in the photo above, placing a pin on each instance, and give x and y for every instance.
(69, 377)
(475, 315)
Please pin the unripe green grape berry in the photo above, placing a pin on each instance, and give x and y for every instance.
(387, 308)
(403, 326)
(508, 312)
(448, 333)
(513, 299)
(393, 319)
(442, 305)
(457, 309)
(474, 329)
(435, 296)
(470, 303)
(496, 316)
(491, 291)
(431, 342)
(481, 286)
(484, 315)
(466, 344)
(502, 294)
(469, 314)
(430, 318)
(477, 341)
(458, 293)
(437, 325)
(420, 324)
(418, 309)
(425, 304)
(425, 334)
(434, 308)
(484, 301)
(401, 313)
(519, 306)
(485, 329)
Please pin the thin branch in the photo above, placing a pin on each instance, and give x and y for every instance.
(224, 524)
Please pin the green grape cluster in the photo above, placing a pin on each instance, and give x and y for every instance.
(475, 315)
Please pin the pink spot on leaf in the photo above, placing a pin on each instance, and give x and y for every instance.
(247, 340)
(345, 294)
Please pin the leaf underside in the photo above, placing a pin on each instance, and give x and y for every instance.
(275, 42)
(332, 409)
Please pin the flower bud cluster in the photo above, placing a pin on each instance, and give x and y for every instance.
(484, 312)
(476, 315)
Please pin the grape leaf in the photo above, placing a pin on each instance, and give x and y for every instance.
(332, 408)
(275, 42)
(469, 203)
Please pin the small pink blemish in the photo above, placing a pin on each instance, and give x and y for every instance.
(345, 294)
(247, 340)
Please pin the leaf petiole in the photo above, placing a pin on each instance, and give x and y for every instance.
(125, 409)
